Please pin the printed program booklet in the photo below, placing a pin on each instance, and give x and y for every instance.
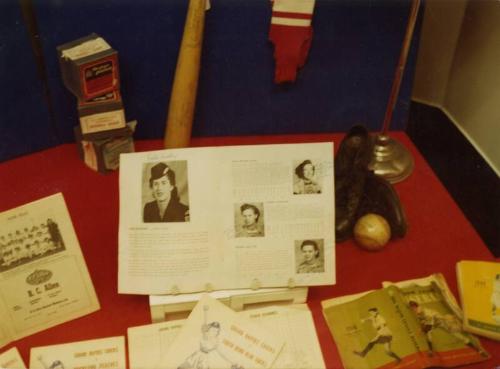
(44, 280)
(479, 288)
(217, 218)
(407, 325)
(102, 353)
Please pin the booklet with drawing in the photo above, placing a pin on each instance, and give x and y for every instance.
(44, 280)
(214, 336)
(409, 324)
(293, 324)
(202, 219)
(479, 287)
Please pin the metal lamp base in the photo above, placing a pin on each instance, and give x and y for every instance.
(391, 159)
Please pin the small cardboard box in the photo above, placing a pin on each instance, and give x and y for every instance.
(89, 67)
(101, 150)
(171, 307)
(102, 113)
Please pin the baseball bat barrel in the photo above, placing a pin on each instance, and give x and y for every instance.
(183, 96)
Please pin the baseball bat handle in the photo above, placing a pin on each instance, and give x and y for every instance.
(183, 96)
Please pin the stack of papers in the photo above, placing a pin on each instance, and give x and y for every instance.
(214, 336)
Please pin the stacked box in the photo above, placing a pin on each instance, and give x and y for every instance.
(102, 113)
(89, 68)
(101, 150)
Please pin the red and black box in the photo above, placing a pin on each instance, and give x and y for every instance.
(89, 67)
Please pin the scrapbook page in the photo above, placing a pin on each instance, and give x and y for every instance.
(44, 280)
(202, 219)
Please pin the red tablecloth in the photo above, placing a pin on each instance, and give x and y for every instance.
(439, 236)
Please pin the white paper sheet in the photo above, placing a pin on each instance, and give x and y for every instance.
(44, 280)
(103, 353)
(147, 344)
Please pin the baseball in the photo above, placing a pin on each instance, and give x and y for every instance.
(372, 232)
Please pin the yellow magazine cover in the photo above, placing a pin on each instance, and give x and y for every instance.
(479, 287)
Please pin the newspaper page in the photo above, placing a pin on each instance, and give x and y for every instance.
(11, 359)
(202, 219)
(44, 280)
(102, 353)
(294, 324)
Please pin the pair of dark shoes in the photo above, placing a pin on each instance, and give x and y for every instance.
(358, 191)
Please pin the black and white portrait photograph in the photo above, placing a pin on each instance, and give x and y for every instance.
(165, 195)
(305, 178)
(249, 219)
(309, 256)
(29, 243)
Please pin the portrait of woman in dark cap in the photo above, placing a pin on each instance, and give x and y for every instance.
(167, 206)
(305, 181)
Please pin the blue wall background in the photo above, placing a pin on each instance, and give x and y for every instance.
(25, 124)
(345, 81)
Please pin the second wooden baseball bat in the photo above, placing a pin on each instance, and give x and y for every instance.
(183, 96)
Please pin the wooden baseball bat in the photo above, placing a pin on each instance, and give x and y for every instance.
(183, 97)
